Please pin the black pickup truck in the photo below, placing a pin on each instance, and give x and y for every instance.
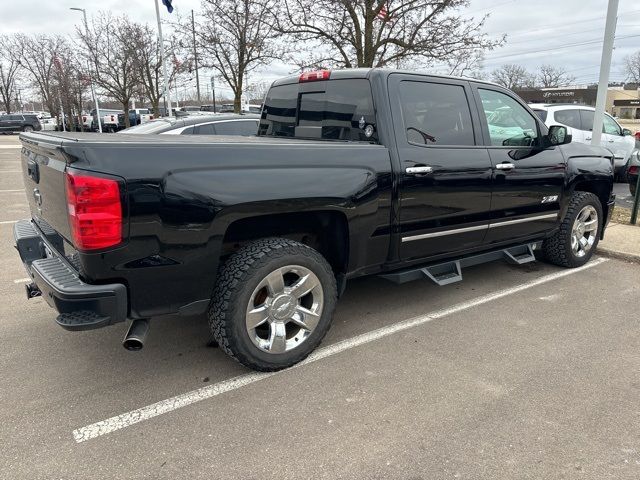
(352, 173)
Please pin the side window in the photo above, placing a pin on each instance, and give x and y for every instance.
(610, 126)
(587, 120)
(436, 114)
(249, 127)
(187, 131)
(510, 124)
(570, 118)
(207, 129)
(542, 114)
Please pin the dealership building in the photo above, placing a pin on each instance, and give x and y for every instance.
(622, 101)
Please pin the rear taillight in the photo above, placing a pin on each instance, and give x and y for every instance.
(633, 170)
(95, 211)
(314, 76)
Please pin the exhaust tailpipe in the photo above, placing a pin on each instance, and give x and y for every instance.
(137, 334)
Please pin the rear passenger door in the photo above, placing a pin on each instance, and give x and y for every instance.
(445, 178)
(527, 176)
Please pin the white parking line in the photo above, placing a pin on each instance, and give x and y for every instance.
(165, 406)
(22, 280)
(7, 222)
(10, 146)
(10, 171)
(12, 191)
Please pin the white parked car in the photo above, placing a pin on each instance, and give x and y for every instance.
(579, 119)
(49, 123)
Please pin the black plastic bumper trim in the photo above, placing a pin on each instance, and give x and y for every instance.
(62, 287)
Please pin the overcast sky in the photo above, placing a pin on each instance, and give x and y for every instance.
(538, 31)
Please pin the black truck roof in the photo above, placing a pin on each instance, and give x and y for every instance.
(340, 74)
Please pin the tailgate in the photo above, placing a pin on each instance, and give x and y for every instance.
(43, 165)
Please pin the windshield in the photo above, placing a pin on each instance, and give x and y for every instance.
(154, 126)
(327, 110)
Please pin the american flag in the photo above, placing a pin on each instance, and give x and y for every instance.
(383, 14)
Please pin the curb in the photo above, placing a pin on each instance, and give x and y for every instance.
(629, 257)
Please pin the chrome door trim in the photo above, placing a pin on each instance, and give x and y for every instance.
(475, 228)
(444, 233)
(523, 220)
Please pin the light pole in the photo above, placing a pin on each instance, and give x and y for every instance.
(213, 90)
(605, 66)
(165, 90)
(93, 92)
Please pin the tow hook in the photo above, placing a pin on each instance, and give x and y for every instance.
(32, 290)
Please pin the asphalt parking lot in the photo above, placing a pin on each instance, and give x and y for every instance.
(623, 195)
(517, 372)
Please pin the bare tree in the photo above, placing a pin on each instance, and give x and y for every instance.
(37, 56)
(550, 76)
(109, 49)
(236, 37)
(9, 72)
(378, 33)
(468, 64)
(148, 64)
(70, 84)
(513, 76)
(257, 91)
(632, 67)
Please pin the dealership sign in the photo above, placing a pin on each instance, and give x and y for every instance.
(568, 93)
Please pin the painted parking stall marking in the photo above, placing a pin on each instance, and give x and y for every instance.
(165, 406)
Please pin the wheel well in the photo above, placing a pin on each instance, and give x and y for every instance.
(325, 231)
(599, 189)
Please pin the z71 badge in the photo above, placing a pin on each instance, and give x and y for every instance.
(550, 199)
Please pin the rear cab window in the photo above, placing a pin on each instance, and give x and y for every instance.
(339, 109)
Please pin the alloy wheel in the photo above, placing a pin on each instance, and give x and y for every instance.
(284, 309)
(584, 231)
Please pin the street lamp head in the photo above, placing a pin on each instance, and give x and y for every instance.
(76, 8)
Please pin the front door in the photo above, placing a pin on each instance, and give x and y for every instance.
(445, 179)
(621, 145)
(527, 179)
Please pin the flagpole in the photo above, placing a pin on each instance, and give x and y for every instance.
(165, 89)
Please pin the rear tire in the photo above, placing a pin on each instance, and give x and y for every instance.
(577, 238)
(27, 128)
(261, 313)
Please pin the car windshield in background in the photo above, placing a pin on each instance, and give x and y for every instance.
(154, 126)
(329, 110)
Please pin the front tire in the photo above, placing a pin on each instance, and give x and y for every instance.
(577, 238)
(272, 303)
(27, 128)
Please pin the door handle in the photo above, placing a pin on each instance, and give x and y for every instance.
(505, 166)
(588, 138)
(611, 141)
(424, 169)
